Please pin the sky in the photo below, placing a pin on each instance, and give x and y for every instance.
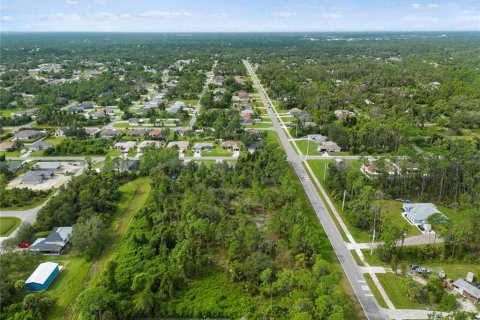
(238, 16)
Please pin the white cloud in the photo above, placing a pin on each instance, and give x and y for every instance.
(71, 2)
(283, 14)
(421, 19)
(163, 14)
(125, 16)
(101, 2)
(416, 5)
(60, 16)
(7, 19)
(432, 5)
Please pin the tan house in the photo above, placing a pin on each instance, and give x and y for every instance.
(231, 145)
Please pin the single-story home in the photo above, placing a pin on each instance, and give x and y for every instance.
(36, 177)
(369, 168)
(60, 132)
(22, 113)
(26, 135)
(125, 165)
(54, 243)
(316, 138)
(81, 107)
(418, 213)
(42, 277)
(243, 95)
(179, 130)
(40, 145)
(182, 145)
(147, 143)
(109, 133)
(124, 145)
(47, 165)
(136, 132)
(177, 106)
(12, 166)
(466, 289)
(199, 146)
(294, 111)
(343, 114)
(135, 121)
(91, 131)
(329, 146)
(156, 132)
(7, 146)
(309, 124)
(231, 145)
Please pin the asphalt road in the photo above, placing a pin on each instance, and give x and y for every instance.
(199, 105)
(355, 277)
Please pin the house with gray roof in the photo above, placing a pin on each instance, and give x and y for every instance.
(48, 165)
(26, 135)
(466, 289)
(418, 213)
(36, 177)
(199, 146)
(54, 243)
(40, 145)
(176, 107)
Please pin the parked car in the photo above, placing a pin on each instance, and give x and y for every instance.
(23, 245)
(424, 270)
(414, 267)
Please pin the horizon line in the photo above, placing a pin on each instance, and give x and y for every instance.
(272, 31)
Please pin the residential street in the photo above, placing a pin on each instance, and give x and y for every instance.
(354, 275)
(199, 105)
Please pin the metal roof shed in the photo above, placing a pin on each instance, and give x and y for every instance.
(42, 277)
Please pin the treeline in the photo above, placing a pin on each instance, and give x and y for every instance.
(248, 230)
(80, 147)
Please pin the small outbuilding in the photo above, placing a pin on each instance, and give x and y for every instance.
(466, 289)
(42, 277)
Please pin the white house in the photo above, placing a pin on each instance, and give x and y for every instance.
(418, 213)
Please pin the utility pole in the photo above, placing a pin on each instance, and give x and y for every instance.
(308, 144)
(374, 227)
(344, 195)
(325, 171)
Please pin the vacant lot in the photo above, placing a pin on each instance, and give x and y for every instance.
(8, 225)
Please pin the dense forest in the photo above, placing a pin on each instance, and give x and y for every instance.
(221, 242)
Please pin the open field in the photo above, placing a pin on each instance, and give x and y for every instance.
(8, 225)
(396, 292)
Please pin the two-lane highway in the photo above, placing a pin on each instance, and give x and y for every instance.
(354, 275)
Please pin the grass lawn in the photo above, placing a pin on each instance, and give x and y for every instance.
(259, 125)
(56, 140)
(311, 147)
(217, 152)
(38, 153)
(453, 270)
(318, 167)
(396, 292)
(68, 284)
(8, 225)
(15, 153)
(375, 291)
(393, 210)
(357, 258)
(272, 136)
(113, 153)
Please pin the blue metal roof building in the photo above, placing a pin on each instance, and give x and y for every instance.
(42, 277)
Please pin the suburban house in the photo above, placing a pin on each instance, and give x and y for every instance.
(124, 145)
(135, 121)
(91, 131)
(147, 143)
(40, 145)
(36, 177)
(54, 243)
(179, 130)
(156, 132)
(60, 132)
(126, 165)
(219, 91)
(12, 166)
(200, 146)
(466, 289)
(136, 132)
(243, 96)
(294, 111)
(7, 146)
(343, 114)
(329, 146)
(26, 135)
(219, 80)
(309, 124)
(44, 165)
(110, 133)
(316, 138)
(231, 145)
(42, 277)
(239, 79)
(25, 113)
(81, 107)
(176, 107)
(369, 168)
(181, 145)
(418, 213)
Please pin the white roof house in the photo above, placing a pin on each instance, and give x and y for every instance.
(418, 213)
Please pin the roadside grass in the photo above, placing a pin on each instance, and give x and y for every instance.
(357, 258)
(308, 148)
(217, 152)
(68, 284)
(55, 140)
(318, 167)
(8, 225)
(38, 153)
(374, 290)
(15, 153)
(396, 292)
(392, 211)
